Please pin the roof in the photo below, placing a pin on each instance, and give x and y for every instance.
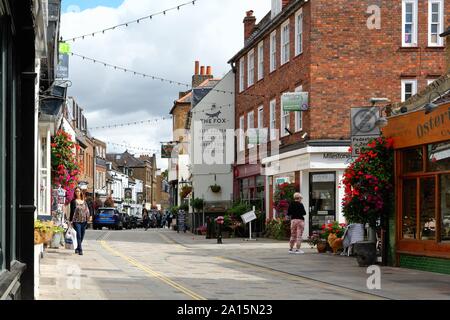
(125, 160)
(266, 25)
(187, 98)
(437, 92)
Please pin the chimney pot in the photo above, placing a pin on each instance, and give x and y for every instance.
(197, 66)
(250, 13)
(202, 70)
(208, 70)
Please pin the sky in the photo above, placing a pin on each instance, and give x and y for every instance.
(167, 46)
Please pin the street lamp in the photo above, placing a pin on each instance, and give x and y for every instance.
(382, 121)
(430, 106)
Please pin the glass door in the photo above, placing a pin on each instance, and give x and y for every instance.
(322, 199)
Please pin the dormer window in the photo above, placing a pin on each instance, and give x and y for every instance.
(276, 8)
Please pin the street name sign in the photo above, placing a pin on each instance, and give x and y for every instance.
(359, 142)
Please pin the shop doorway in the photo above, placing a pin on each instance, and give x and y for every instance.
(322, 199)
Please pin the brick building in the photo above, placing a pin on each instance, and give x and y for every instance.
(341, 53)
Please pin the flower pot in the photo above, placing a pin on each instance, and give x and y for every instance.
(37, 237)
(322, 247)
(56, 241)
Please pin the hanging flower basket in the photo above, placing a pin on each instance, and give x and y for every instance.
(216, 188)
(185, 191)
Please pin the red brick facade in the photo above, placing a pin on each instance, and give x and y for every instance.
(343, 63)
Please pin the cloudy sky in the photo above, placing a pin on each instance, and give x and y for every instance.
(210, 31)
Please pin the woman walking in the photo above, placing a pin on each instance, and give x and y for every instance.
(297, 214)
(145, 218)
(79, 216)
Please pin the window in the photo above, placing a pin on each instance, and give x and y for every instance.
(285, 119)
(241, 134)
(261, 117)
(298, 114)
(409, 24)
(251, 68)
(241, 74)
(273, 51)
(250, 126)
(285, 43)
(299, 32)
(445, 207)
(273, 106)
(435, 22)
(409, 88)
(276, 8)
(409, 209)
(260, 60)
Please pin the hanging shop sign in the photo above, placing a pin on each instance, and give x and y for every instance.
(295, 101)
(167, 150)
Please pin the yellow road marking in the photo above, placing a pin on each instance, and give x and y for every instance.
(152, 273)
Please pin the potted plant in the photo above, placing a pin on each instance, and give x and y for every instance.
(197, 204)
(58, 233)
(316, 240)
(215, 188)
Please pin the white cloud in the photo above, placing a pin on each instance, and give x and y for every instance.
(167, 46)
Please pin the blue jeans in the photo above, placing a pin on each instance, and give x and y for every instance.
(80, 228)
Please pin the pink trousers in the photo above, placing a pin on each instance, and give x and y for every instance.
(297, 227)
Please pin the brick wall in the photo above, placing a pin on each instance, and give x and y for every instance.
(343, 65)
(425, 264)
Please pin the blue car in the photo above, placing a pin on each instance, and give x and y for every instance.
(108, 217)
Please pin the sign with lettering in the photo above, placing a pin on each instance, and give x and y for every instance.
(295, 101)
(326, 177)
(417, 128)
(359, 142)
(248, 217)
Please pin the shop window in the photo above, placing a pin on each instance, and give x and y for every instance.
(409, 209)
(412, 160)
(427, 209)
(439, 157)
(445, 207)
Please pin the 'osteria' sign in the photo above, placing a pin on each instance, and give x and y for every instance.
(419, 128)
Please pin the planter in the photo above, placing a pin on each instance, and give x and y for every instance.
(216, 188)
(38, 238)
(322, 247)
(366, 253)
(47, 237)
(56, 240)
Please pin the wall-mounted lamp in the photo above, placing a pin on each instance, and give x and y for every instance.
(304, 135)
(430, 106)
(288, 131)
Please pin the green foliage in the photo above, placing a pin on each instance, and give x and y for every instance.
(368, 183)
(284, 194)
(197, 204)
(184, 207)
(278, 228)
(215, 188)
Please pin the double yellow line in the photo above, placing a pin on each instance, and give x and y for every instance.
(152, 273)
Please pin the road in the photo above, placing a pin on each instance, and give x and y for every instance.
(159, 264)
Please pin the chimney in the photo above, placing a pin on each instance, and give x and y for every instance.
(197, 66)
(446, 34)
(199, 77)
(249, 24)
(284, 3)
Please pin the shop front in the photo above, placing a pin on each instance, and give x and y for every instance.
(422, 167)
(316, 172)
(249, 185)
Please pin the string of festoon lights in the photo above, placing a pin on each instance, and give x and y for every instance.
(136, 21)
(119, 125)
(153, 77)
(134, 148)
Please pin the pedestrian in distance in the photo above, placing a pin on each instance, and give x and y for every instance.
(145, 218)
(296, 212)
(169, 220)
(79, 216)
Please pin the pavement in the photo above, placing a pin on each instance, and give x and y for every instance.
(166, 265)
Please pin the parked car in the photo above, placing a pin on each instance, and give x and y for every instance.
(108, 217)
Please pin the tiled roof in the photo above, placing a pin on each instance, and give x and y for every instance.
(125, 160)
(437, 92)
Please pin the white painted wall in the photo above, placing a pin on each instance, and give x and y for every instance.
(207, 171)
